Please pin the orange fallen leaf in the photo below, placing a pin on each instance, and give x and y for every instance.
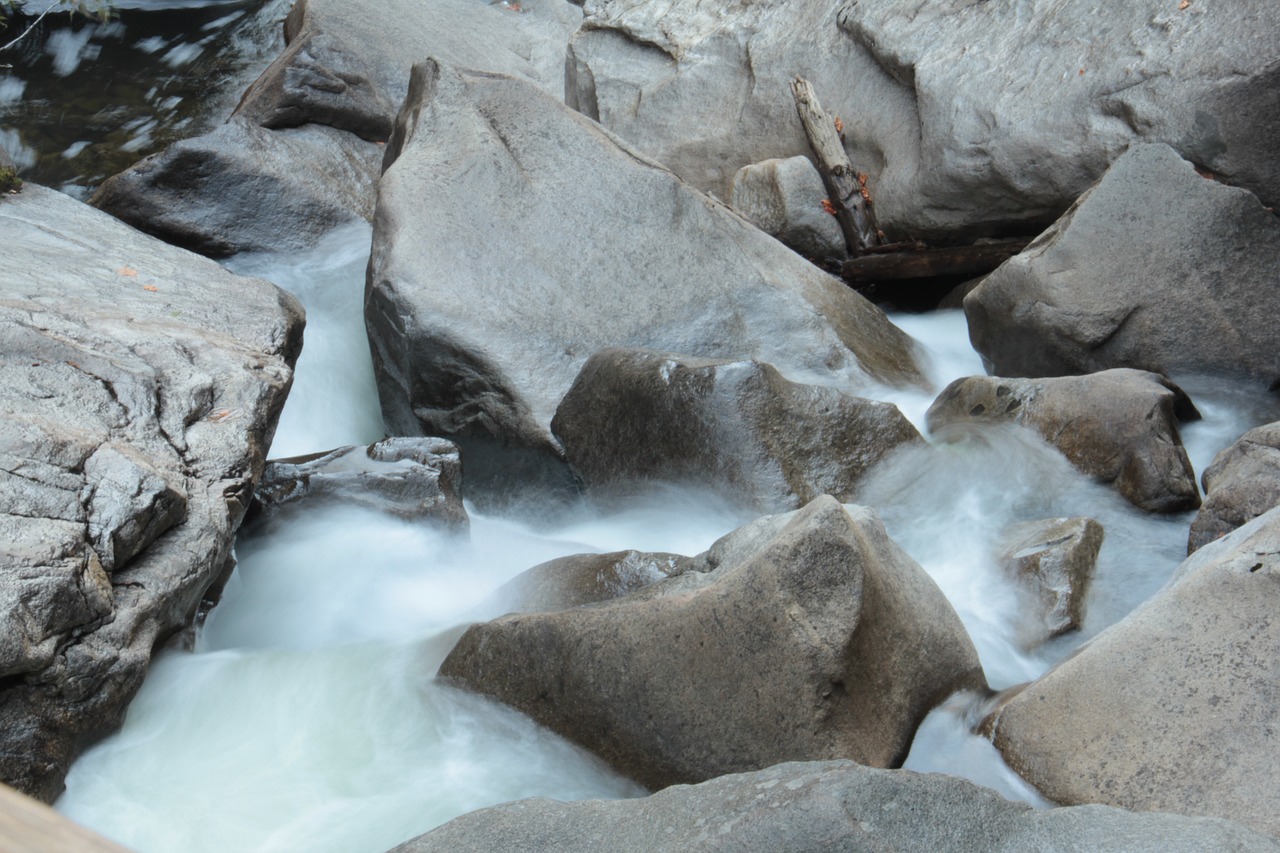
(150, 287)
(1081, 72)
(126, 271)
(839, 125)
(1184, 4)
(828, 206)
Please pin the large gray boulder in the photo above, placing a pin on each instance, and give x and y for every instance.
(1173, 708)
(1054, 558)
(1240, 484)
(784, 198)
(515, 238)
(587, 578)
(1156, 268)
(418, 479)
(814, 639)
(735, 427)
(140, 390)
(969, 117)
(1119, 426)
(241, 188)
(808, 807)
(347, 65)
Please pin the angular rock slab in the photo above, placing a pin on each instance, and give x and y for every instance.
(736, 427)
(1240, 484)
(823, 641)
(1119, 426)
(784, 198)
(1155, 268)
(139, 391)
(347, 66)
(827, 805)
(514, 238)
(241, 188)
(1173, 708)
(411, 478)
(1055, 558)
(968, 116)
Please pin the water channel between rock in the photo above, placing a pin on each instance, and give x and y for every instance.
(307, 716)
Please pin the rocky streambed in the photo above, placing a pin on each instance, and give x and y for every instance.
(592, 484)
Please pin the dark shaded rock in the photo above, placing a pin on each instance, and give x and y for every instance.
(140, 387)
(241, 188)
(784, 198)
(1119, 426)
(1173, 708)
(1054, 558)
(1155, 268)
(818, 638)
(480, 315)
(828, 805)
(736, 427)
(411, 478)
(1241, 484)
(587, 578)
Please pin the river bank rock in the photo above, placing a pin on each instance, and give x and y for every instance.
(1119, 426)
(968, 117)
(1173, 708)
(1240, 484)
(823, 641)
(509, 246)
(140, 389)
(784, 198)
(241, 188)
(736, 427)
(412, 478)
(827, 805)
(587, 578)
(1055, 559)
(1156, 268)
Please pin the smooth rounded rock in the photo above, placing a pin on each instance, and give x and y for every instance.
(1241, 483)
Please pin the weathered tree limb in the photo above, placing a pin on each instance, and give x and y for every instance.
(857, 222)
(928, 263)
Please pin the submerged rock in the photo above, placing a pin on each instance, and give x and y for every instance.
(784, 198)
(514, 238)
(810, 637)
(1055, 559)
(411, 478)
(1119, 426)
(1173, 708)
(827, 805)
(736, 427)
(1156, 268)
(140, 389)
(1241, 484)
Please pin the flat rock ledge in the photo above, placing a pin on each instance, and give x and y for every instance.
(140, 387)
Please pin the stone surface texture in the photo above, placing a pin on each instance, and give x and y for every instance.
(1241, 484)
(1173, 708)
(812, 637)
(1055, 559)
(784, 198)
(514, 238)
(735, 427)
(1118, 426)
(587, 578)
(140, 389)
(809, 807)
(1155, 268)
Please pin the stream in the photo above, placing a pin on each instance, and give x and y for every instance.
(306, 716)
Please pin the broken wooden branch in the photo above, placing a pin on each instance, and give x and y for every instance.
(977, 259)
(844, 190)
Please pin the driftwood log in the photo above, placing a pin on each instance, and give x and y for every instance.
(919, 262)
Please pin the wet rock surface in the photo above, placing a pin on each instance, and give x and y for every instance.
(814, 637)
(1241, 484)
(140, 388)
(1119, 426)
(587, 578)
(1054, 558)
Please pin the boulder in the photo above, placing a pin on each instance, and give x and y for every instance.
(736, 427)
(587, 578)
(241, 188)
(1119, 426)
(140, 389)
(784, 198)
(418, 479)
(823, 640)
(1174, 707)
(1241, 484)
(1156, 268)
(347, 66)
(515, 238)
(969, 117)
(1054, 558)
(827, 805)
